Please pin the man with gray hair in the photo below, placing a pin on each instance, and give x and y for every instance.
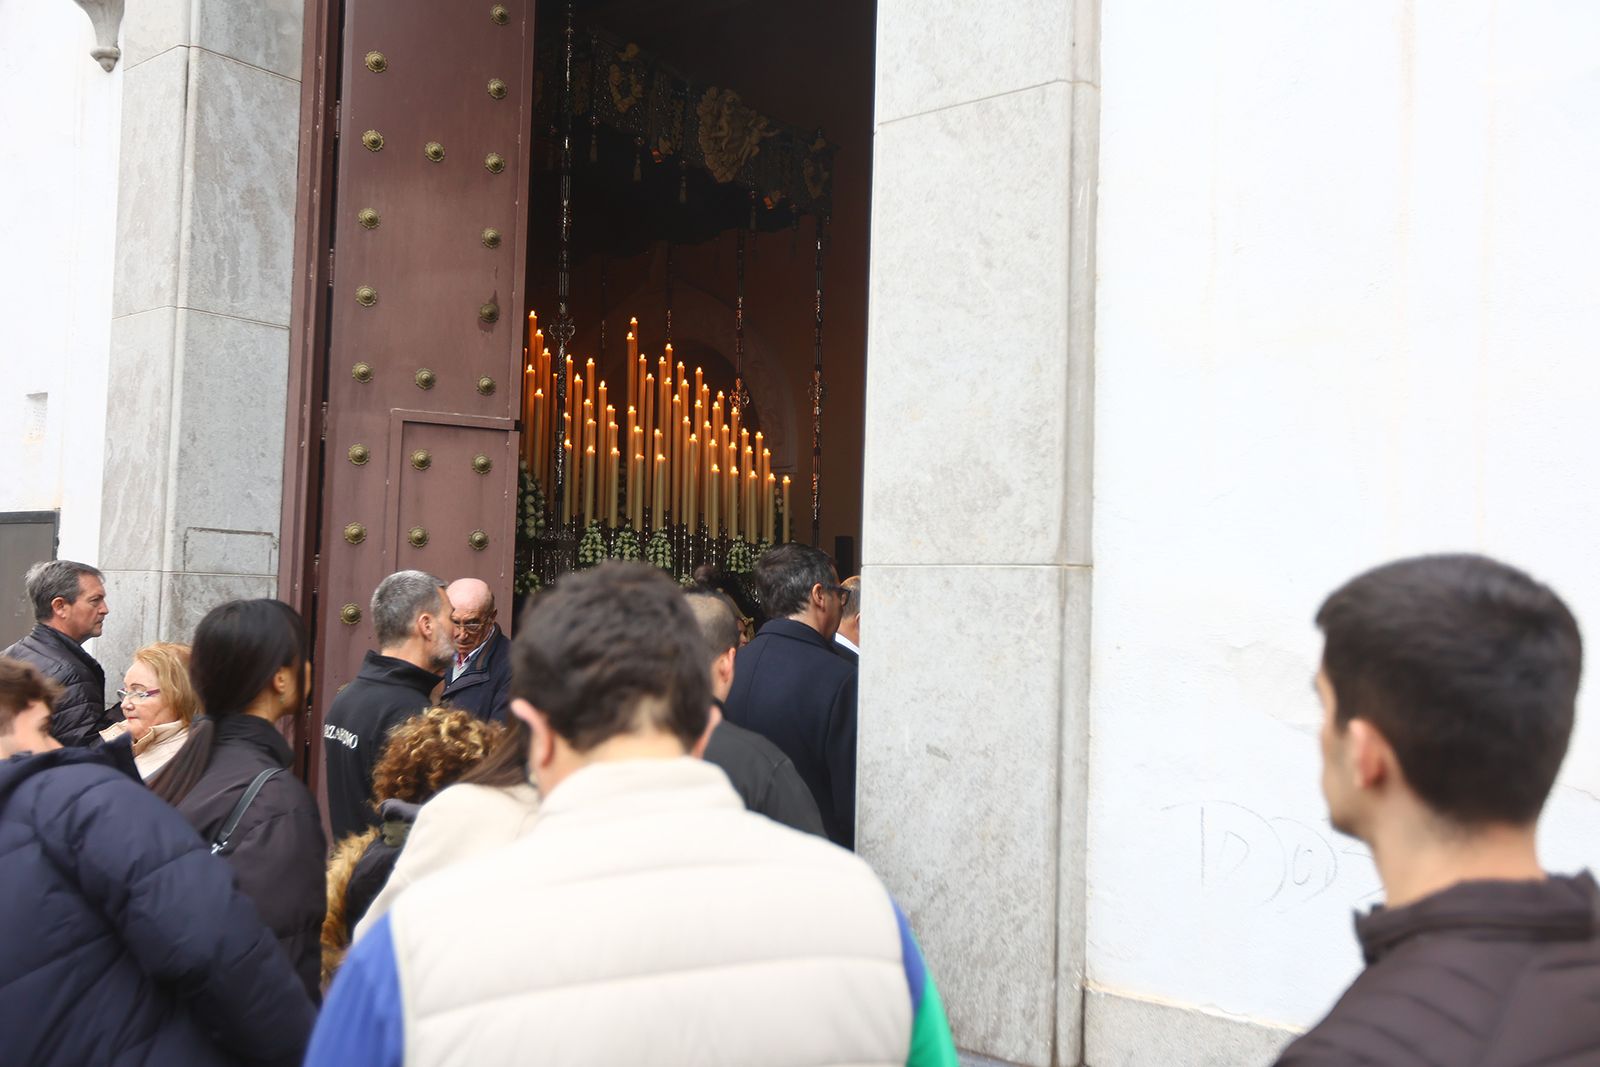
(411, 615)
(790, 686)
(69, 606)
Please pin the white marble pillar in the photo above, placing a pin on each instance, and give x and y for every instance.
(973, 721)
(199, 334)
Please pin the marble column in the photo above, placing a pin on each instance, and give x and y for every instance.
(976, 542)
(199, 333)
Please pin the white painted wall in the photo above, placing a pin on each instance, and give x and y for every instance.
(59, 116)
(1349, 302)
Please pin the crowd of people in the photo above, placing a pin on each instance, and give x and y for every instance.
(625, 834)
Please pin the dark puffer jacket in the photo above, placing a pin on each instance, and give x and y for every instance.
(1493, 974)
(81, 711)
(278, 850)
(124, 941)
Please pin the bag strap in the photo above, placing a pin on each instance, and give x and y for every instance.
(240, 808)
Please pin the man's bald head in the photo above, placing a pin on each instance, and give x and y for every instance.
(471, 612)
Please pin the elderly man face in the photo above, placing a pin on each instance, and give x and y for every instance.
(471, 613)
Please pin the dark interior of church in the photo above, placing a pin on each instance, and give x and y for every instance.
(659, 239)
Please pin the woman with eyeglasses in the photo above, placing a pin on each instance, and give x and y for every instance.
(158, 704)
(233, 781)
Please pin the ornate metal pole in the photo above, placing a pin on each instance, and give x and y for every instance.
(741, 395)
(563, 328)
(669, 293)
(818, 392)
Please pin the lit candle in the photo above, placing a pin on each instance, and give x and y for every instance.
(588, 483)
(691, 509)
(658, 500)
(566, 495)
(660, 497)
(675, 460)
(771, 487)
(751, 531)
(649, 408)
(716, 413)
(533, 330)
(566, 435)
(633, 371)
(575, 407)
(735, 416)
(714, 501)
(785, 509)
(600, 401)
(699, 384)
(611, 484)
(732, 493)
(589, 379)
(636, 490)
(538, 431)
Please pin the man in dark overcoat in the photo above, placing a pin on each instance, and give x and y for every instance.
(791, 687)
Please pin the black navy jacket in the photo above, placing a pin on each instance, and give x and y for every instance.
(764, 777)
(278, 850)
(81, 712)
(792, 688)
(484, 688)
(124, 941)
(385, 693)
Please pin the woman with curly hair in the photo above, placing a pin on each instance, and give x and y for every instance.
(491, 806)
(422, 756)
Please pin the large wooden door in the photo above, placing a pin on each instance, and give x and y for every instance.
(418, 339)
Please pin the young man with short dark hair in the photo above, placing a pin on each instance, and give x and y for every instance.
(1448, 685)
(790, 686)
(647, 917)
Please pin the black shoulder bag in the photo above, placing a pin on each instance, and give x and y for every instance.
(240, 808)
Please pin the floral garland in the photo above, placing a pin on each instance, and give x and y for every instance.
(530, 524)
(741, 558)
(592, 549)
(626, 546)
(659, 551)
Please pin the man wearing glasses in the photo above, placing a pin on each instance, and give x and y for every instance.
(479, 679)
(790, 686)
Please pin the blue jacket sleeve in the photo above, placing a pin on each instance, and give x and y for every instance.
(931, 1044)
(361, 1023)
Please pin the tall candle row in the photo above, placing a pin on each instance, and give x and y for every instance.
(674, 455)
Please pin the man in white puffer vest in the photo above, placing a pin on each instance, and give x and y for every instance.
(647, 918)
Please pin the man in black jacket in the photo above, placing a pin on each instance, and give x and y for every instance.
(763, 776)
(792, 688)
(479, 678)
(1448, 685)
(412, 618)
(69, 604)
(125, 940)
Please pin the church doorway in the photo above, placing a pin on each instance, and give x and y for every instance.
(712, 163)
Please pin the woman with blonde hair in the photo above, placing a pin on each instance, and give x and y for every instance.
(422, 755)
(159, 703)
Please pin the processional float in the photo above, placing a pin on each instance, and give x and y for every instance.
(660, 467)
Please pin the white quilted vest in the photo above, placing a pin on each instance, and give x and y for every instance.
(649, 919)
